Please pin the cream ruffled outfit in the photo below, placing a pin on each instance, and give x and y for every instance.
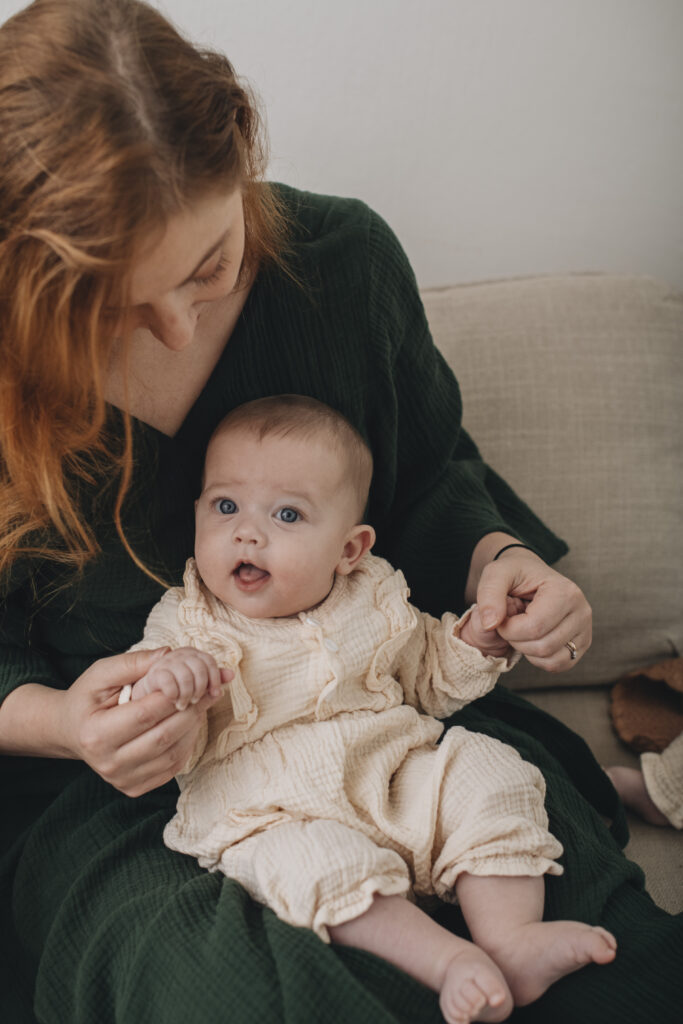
(318, 781)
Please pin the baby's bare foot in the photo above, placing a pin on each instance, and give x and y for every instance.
(540, 953)
(474, 989)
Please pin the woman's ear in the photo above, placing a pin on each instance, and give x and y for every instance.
(359, 540)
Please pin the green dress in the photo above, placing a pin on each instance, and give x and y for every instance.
(101, 922)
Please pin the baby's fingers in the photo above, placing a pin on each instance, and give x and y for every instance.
(515, 606)
(207, 677)
(176, 682)
(217, 679)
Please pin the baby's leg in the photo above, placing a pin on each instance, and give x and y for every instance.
(504, 916)
(630, 785)
(472, 987)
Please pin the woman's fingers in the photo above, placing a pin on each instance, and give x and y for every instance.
(107, 676)
(161, 749)
(105, 730)
(139, 779)
(517, 573)
(549, 609)
(140, 744)
(163, 764)
(553, 652)
(550, 648)
(556, 622)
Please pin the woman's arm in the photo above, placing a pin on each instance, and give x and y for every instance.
(450, 513)
(31, 722)
(135, 747)
(41, 721)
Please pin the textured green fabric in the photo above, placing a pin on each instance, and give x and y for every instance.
(101, 923)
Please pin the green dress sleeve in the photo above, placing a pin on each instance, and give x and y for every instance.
(444, 496)
(21, 658)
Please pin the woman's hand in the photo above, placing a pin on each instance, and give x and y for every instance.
(489, 641)
(557, 617)
(135, 746)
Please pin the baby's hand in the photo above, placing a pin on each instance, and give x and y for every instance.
(184, 675)
(489, 641)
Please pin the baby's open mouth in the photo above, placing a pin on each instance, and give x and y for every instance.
(248, 573)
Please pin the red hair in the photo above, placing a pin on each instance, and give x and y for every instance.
(111, 122)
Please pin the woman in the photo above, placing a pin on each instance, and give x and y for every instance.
(149, 282)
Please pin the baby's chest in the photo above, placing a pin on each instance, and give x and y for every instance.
(293, 672)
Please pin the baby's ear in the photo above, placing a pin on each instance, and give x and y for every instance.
(359, 540)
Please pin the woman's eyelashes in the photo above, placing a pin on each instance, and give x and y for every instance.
(112, 314)
(214, 275)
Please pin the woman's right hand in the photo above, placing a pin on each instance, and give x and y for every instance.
(135, 746)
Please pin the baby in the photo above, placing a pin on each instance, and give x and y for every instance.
(319, 783)
(655, 790)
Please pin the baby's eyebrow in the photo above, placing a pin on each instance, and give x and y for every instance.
(217, 486)
(298, 497)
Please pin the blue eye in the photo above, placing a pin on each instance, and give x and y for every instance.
(288, 515)
(226, 506)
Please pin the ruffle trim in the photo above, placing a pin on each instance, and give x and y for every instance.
(391, 598)
(203, 628)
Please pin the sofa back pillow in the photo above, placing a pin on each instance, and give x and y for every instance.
(573, 390)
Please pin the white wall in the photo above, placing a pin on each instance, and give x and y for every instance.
(498, 137)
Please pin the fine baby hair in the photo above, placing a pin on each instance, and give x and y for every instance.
(306, 418)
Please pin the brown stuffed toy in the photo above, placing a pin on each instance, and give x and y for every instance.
(647, 706)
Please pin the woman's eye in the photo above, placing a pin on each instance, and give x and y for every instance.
(214, 275)
(226, 506)
(288, 515)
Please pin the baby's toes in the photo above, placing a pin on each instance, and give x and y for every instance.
(603, 945)
(477, 996)
(471, 998)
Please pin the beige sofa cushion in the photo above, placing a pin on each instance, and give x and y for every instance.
(573, 390)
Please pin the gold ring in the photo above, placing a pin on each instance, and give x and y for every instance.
(571, 647)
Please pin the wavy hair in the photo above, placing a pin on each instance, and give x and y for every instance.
(111, 122)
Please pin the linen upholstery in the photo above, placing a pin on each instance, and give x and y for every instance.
(572, 386)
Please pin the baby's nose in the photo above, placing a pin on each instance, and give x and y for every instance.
(248, 532)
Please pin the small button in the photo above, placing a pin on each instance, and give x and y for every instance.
(310, 621)
(330, 644)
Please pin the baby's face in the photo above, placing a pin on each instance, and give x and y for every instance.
(272, 522)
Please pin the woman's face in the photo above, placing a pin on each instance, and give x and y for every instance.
(196, 261)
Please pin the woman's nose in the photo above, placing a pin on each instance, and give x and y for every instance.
(173, 323)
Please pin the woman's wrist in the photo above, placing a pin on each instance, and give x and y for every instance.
(484, 552)
(33, 722)
(507, 547)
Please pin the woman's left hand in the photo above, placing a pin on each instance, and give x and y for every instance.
(555, 629)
